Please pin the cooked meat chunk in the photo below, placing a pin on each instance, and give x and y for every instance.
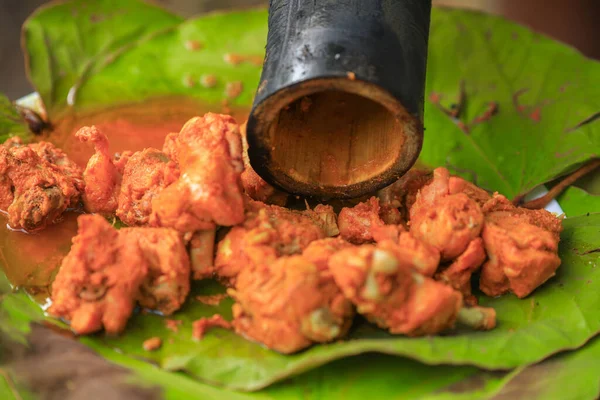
(393, 295)
(287, 305)
(208, 191)
(356, 224)
(267, 233)
(402, 193)
(458, 273)
(101, 176)
(99, 280)
(107, 271)
(167, 283)
(522, 246)
(146, 174)
(446, 221)
(33, 191)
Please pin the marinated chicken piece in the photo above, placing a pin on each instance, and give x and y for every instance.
(146, 174)
(540, 218)
(402, 193)
(458, 273)
(55, 156)
(522, 246)
(167, 283)
(356, 224)
(208, 191)
(413, 253)
(254, 186)
(202, 253)
(393, 295)
(35, 192)
(99, 280)
(171, 146)
(320, 251)
(120, 161)
(269, 232)
(459, 185)
(446, 221)
(327, 218)
(101, 176)
(287, 305)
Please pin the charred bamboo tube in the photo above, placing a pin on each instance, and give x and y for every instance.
(339, 109)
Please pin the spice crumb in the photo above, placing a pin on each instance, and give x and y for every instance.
(233, 59)
(208, 81)
(305, 104)
(212, 300)
(173, 324)
(234, 89)
(193, 45)
(152, 344)
(200, 326)
(188, 81)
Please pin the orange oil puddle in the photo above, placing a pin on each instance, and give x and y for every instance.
(30, 260)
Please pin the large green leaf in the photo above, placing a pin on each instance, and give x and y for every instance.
(576, 201)
(569, 376)
(563, 314)
(543, 91)
(11, 122)
(123, 51)
(69, 43)
(84, 55)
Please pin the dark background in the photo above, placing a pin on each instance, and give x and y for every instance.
(572, 21)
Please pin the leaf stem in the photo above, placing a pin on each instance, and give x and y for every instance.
(558, 188)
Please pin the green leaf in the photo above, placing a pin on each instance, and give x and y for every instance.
(17, 310)
(11, 122)
(70, 42)
(568, 376)
(103, 56)
(576, 201)
(563, 314)
(543, 89)
(123, 51)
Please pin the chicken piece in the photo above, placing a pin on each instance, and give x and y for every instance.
(202, 253)
(459, 185)
(254, 186)
(458, 274)
(413, 253)
(402, 193)
(167, 283)
(99, 280)
(33, 191)
(101, 176)
(320, 251)
(146, 174)
(269, 232)
(392, 295)
(356, 224)
(540, 218)
(523, 251)
(208, 191)
(287, 305)
(120, 161)
(446, 221)
(171, 146)
(55, 156)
